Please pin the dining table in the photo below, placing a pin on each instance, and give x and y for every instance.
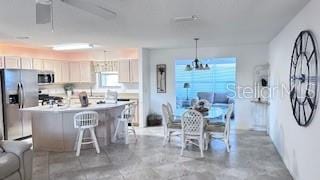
(215, 114)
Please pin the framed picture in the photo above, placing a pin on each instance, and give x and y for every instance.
(161, 78)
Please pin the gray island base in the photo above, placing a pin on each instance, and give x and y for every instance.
(53, 128)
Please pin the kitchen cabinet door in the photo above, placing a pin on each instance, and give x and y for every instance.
(26, 63)
(57, 69)
(38, 64)
(85, 71)
(65, 72)
(124, 71)
(12, 62)
(134, 71)
(74, 69)
(1, 62)
(48, 65)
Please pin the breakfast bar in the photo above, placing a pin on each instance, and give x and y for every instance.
(53, 127)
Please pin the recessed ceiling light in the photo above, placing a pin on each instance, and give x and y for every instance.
(72, 46)
(22, 37)
(186, 18)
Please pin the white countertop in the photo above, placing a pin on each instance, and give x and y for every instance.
(75, 107)
(131, 96)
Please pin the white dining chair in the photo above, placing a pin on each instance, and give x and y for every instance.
(86, 120)
(172, 116)
(220, 130)
(192, 130)
(125, 120)
(170, 128)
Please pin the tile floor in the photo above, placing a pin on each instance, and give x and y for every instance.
(252, 157)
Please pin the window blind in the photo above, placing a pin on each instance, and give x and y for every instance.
(220, 78)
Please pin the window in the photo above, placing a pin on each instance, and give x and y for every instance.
(220, 78)
(108, 79)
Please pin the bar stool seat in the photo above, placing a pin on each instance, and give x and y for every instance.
(86, 120)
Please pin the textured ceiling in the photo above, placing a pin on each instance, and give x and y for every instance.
(149, 23)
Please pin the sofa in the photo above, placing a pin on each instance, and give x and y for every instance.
(15, 160)
(216, 99)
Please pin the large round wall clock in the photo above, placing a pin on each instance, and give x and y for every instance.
(304, 78)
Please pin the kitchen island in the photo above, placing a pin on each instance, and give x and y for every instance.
(53, 127)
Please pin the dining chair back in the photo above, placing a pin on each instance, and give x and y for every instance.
(221, 130)
(169, 127)
(227, 126)
(165, 117)
(192, 129)
(170, 111)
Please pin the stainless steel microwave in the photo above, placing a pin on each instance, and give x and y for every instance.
(45, 77)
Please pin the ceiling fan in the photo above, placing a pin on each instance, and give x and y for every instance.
(44, 9)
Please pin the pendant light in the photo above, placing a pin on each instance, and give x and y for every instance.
(196, 63)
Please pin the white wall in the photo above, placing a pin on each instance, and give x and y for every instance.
(248, 56)
(298, 146)
(144, 84)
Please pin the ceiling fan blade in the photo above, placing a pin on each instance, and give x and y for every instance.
(43, 11)
(91, 8)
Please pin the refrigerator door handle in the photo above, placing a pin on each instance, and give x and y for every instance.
(19, 95)
(22, 96)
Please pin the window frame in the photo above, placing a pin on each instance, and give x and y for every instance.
(99, 80)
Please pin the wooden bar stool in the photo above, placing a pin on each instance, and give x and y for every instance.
(86, 120)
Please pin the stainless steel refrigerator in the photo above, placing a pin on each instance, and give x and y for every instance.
(19, 89)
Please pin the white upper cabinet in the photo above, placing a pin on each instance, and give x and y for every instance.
(57, 69)
(48, 65)
(85, 72)
(1, 62)
(134, 70)
(74, 69)
(124, 71)
(60, 69)
(65, 75)
(38, 64)
(129, 71)
(12, 62)
(64, 71)
(80, 71)
(26, 63)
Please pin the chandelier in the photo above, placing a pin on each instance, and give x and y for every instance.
(196, 63)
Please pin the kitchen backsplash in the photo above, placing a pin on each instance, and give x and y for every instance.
(58, 89)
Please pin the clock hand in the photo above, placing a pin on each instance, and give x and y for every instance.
(302, 78)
